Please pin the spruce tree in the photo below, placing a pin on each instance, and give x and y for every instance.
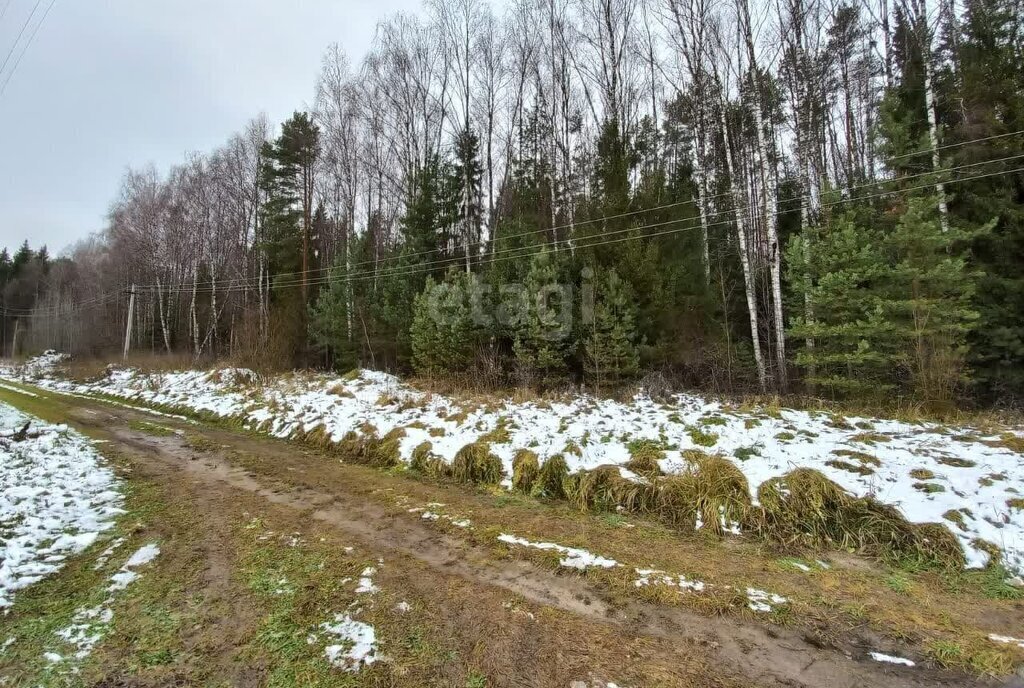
(843, 274)
(932, 289)
(611, 344)
(442, 333)
(991, 94)
(329, 319)
(543, 339)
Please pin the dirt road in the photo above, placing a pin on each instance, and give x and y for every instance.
(503, 621)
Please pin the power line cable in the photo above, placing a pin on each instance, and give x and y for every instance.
(292, 278)
(581, 223)
(516, 252)
(26, 47)
(20, 34)
(583, 242)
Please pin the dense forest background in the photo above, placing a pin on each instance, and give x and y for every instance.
(806, 195)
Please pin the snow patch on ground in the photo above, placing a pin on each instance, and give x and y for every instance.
(574, 558)
(351, 643)
(19, 390)
(656, 577)
(128, 574)
(90, 624)
(764, 602)
(56, 497)
(432, 516)
(974, 472)
(889, 659)
(1019, 642)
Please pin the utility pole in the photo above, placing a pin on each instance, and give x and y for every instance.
(17, 331)
(128, 327)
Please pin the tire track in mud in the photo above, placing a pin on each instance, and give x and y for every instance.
(764, 655)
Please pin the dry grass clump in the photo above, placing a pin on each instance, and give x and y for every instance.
(338, 389)
(604, 488)
(426, 462)
(956, 462)
(475, 463)
(713, 491)
(351, 446)
(1012, 442)
(317, 437)
(861, 457)
(525, 470)
(644, 457)
(805, 508)
(383, 452)
(551, 479)
(499, 435)
(858, 468)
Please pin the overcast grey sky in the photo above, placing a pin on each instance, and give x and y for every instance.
(108, 84)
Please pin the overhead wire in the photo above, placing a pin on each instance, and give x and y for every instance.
(24, 50)
(293, 279)
(21, 33)
(513, 253)
(582, 223)
(583, 242)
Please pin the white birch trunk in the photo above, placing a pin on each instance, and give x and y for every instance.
(163, 315)
(741, 234)
(768, 184)
(933, 128)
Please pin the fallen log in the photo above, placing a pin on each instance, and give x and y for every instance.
(20, 435)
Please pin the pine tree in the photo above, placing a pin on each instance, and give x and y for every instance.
(991, 96)
(932, 290)
(611, 345)
(543, 339)
(287, 182)
(844, 275)
(443, 334)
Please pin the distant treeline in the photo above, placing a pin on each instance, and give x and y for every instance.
(796, 195)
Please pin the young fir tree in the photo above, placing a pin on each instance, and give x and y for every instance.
(443, 334)
(843, 275)
(330, 320)
(466, 175)
(611, 344)
(543, 339)
(932, 290)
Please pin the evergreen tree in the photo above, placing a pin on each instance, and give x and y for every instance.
(466, 177)
(543, 339)
(442, 331)
(932, 289)
(611, 345)
(856, 349)
(991, 91)
(329, 319)
(287, 182)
